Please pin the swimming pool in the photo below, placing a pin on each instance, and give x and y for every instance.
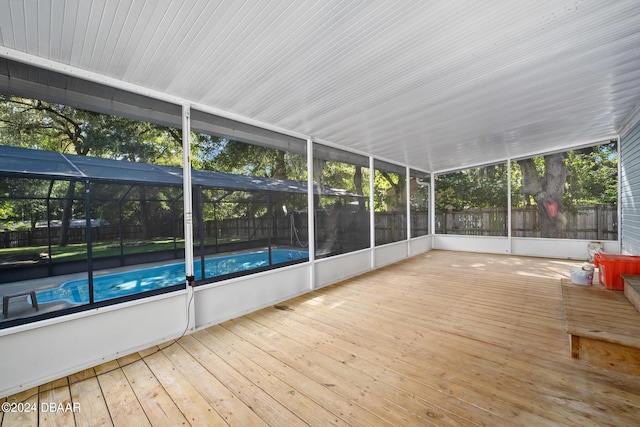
(135, 281)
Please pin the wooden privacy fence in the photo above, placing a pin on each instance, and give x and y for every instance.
(40, 236)
(592, 222)
(108, 233)
(479, 222)
(390, 227)
(244, 228)
(588, 222)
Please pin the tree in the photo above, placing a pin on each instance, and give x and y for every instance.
(475, 188)
(236, 157)
(42, 125)
(51, 127)
(561, 182)
(592, 176)
(226, 155)
(357, 182)
(21, 202)
(390, 191)
(547, 190)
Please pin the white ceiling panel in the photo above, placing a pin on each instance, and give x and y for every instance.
(437, 85)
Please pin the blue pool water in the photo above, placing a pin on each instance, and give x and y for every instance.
(132, 282)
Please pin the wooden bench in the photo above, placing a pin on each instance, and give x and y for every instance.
(632, 289)
(6, 298)
(603, 325)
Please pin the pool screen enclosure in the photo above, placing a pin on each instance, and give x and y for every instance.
(89, 215)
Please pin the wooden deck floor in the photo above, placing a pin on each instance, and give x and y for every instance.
(440, 339)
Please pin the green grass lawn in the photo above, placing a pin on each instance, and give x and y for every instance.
(75, 252)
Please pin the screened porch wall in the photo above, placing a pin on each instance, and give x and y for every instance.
(630, 190)
(93, 337)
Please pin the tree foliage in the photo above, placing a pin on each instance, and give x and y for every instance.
(31, 123)
(475, 188)
(226, 155)
(592, 176)
(390, 194)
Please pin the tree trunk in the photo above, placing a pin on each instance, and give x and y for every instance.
(547, 191)
(280, 166)
(67, 213)
(145, 216)
(357, 181)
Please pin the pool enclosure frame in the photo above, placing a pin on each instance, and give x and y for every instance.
(22, 163)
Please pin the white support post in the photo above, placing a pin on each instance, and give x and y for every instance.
(408, 193)
(509, 250)
(311, 220)
(188, 214)
(432, 206)
(372, 218)
(619, 194)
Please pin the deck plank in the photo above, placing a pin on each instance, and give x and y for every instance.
(409, 395)
(58, 407)
(25, 418)
(155, 401)
(443, 338)
(387, 364)
(124, 407)
(93, 407)
(82, 375)
(269, 409)
(211, 389)
(312, 402)
(195, 408)
(387, 403)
